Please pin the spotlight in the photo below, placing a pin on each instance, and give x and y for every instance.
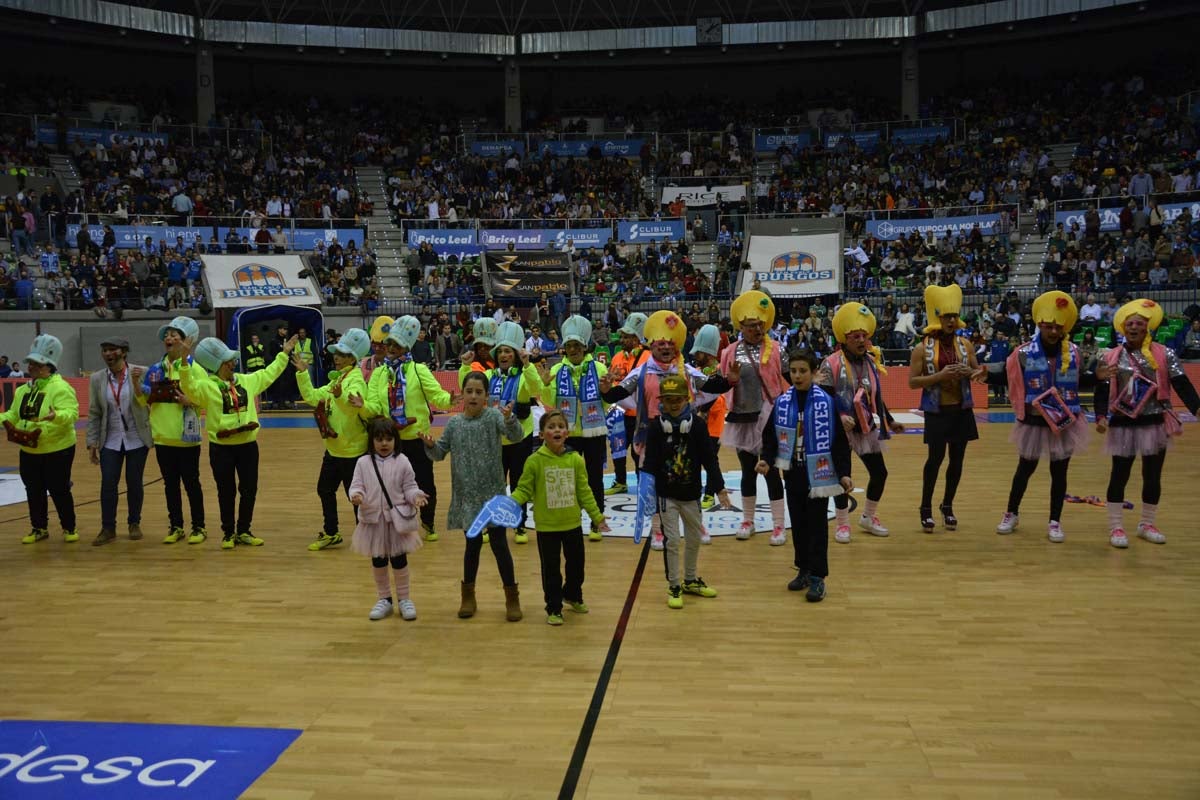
(499, 59)
(241, 46)
(387, 53)
(837, 44)
(341, 51)
(950, 35)
(1008, 27)
(187, 42)
(779, 46)
(444, 56)
(611, 53)
(299, 49)
(724, 49)
(1074, 18)
(895, 42)
(557, 56)
(124, 32)
(54, 20)
(666, 51)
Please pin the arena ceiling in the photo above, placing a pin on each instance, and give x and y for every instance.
(514, 17)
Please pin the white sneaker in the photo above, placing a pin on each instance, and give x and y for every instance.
(656, 540)
(842, 534)
(745, 531)
(408, 611)
(1150, 533)
(1117, 538)
(381, 609)
(1056, 533)
(705, 536)
(1008, 523)
(872, 526)
(778, 536)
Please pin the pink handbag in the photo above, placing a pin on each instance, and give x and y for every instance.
(1053, 409)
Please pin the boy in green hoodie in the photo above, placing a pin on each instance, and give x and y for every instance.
(556, 480)
(41, 420)
(228, 397)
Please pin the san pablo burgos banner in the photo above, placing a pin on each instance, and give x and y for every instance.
(528, 274)
(789, 266)
(251, 280)
(888, 229)
(702, 196)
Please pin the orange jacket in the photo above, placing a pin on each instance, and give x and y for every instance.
(624, 363)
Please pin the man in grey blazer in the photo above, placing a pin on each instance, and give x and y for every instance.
(118, 433)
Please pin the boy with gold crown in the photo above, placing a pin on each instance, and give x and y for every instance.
(665, 332)
(756, 372)
(1043, 382)
(851, 376)
(1133, 408)
(942, 367)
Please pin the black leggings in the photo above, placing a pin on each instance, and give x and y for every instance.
(514, 457)
(336, 472)
(878, 473)
(398, 562)
(498, 538)
(933, 465)
(594, 450)
(235, 471)
(710, 479)
(181, 465)
(414, 449)
(1152, 467)
(749, 461)
(1058, 485)
(50, 473)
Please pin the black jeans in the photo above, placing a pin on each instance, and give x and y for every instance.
(414, 449)
(44, 473)
(810, 524)
(514, 457)
(110, 479)
(594, 450)
(181, 464)
(568, 544)
(235, 470)
(335, 471)
(498, 539)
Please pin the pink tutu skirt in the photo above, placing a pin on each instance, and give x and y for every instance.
(382, 539)
(1127, 441)
(747, 436)
(866, 442)
(1035, 442)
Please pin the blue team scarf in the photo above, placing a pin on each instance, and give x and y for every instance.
(819, 419)
(397, 389)
(1039, 378)
(502, 388)
(569, 401)
(615, 419)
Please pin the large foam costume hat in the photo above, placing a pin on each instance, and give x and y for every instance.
(1148, 310)
(1058, 308)
(942, 300)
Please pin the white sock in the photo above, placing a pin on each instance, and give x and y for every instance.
(843, 516)
(869, 508)
(1115, 512)
(1149, 512)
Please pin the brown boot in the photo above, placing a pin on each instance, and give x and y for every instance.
(512, 604)
(467, 609)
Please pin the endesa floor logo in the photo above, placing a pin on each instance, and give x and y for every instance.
(40, 759)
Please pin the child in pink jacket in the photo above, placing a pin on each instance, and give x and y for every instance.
(385, 490)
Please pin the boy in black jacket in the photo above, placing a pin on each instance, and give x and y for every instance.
(677, 446)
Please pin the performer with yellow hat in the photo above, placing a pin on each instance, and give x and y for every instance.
(851, 376)
(665, 332)
(754, 368)
(1043, 382)
(1133, 408)
(942, 367)
(380, 328)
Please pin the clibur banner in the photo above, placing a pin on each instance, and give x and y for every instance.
(639, 231)
(794, 265)
(1110, 218)
(539, 238)
(888, 229)
(625, 148)
(498, 149)
(48, 134)
(130, 237)
(69, 760)
(770, 142)
(919, 136)
(865, 140)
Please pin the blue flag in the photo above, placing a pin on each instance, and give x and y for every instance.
(499, 512)
(647, 504)
(616, 432)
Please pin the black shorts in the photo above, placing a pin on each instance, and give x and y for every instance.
(950, 424)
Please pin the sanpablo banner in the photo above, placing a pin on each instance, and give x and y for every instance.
(249, 280)
(789, 266)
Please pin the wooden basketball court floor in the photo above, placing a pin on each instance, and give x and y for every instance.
(952, 665)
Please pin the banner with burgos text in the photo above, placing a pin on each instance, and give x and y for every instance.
(579, 148)
(252, 280)
(770, 142)
(1110, 218)
(48, 134)
(920, 136)
(498, 149)
(44, 760)
(539, 238)
(704, 196)
(793, 266)
(637, 231)
(888, 229)
(304, 238)
(131, 237)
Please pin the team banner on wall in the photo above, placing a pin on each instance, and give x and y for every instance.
(498, 149)
(789, 266)
(528, 262)
(528, 284)
(1110, 218)
(131, 237)
(48, 134)
(770, 142)
(539, 238)
(304, 238)
(578, 148)
(442, 238)
(251, 280)
(920, 135)
(888, 229)
(701, 196)
(866, 140)
(634, 231)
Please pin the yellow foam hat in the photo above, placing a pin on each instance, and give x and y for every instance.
(1150, 311)
(853, 317)
(380, 328)
(665, 325)
(1059, 309)
(752, 305)
(940, 300)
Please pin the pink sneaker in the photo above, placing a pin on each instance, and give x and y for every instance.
(656, 539)
(842, 534)
(745, 531)
(1151, 534)
(778, 536)
(872, 525)
(1117, 538)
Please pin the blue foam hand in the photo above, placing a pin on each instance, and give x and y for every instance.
(646, 506)
(499, 512)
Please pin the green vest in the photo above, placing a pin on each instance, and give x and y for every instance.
(304, 348)
(254, 358)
